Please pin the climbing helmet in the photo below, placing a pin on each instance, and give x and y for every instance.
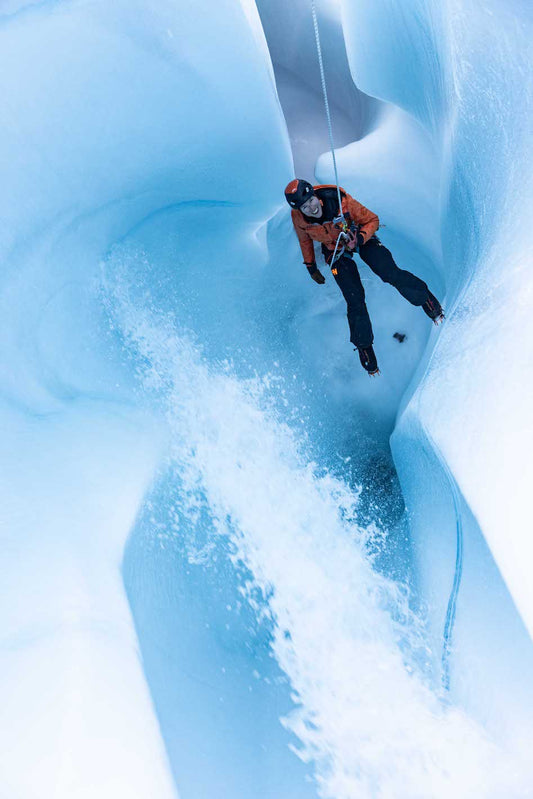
(298, 192)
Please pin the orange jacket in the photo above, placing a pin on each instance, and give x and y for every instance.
(327, 232)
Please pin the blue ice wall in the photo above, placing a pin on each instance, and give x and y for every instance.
(462, 71)
(161, 386)
(101, 127)
(398, 52)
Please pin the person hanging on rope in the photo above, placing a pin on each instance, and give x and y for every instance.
(342, 232)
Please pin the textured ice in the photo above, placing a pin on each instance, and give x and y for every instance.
(470, 409)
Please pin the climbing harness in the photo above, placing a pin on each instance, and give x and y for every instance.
(348, 232)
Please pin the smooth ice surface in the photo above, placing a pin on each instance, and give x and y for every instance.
(92, 142)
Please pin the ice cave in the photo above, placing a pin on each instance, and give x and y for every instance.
(233, 566)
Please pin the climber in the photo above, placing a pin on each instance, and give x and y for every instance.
(316, 217)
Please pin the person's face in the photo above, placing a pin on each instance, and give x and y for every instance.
(312, 207)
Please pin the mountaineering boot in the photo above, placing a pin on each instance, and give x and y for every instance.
(367, 356)
(433, 309)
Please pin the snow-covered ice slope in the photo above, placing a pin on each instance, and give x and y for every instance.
(342, 633)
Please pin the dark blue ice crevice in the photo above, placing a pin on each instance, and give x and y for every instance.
(451, 610)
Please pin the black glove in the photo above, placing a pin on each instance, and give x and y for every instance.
(315, 273)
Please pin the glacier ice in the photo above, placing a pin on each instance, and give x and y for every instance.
(173, 381)
(93, 142)
(472, 97)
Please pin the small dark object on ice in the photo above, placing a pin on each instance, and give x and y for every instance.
(368, 359)
(400, 337)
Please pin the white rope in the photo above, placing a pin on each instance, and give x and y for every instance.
(336, 248)
(326, 104)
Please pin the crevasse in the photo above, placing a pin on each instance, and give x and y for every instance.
(185, 436)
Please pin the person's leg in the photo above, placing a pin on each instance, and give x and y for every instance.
(348, 280)
(381, 262)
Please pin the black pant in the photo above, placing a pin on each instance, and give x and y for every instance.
(381, 262)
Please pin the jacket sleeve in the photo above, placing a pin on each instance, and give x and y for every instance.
(368, 221)
(306, 242)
